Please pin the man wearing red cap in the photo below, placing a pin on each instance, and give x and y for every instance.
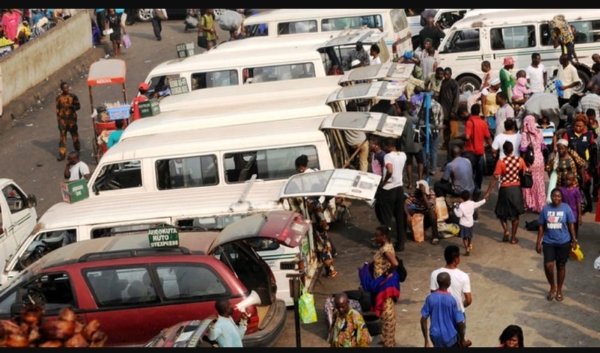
(143, 88)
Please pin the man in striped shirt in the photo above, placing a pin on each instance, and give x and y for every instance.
(591, 100)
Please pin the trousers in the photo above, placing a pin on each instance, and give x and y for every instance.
(391, 207)
(68, 126)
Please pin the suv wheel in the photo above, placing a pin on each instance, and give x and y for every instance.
(144, 15)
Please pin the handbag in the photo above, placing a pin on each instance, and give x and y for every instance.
(306, 306)
(526, 179)
(576, 254)
(126, 41)
(402, 273)
(202, 41)
(158, 14)
(529, 155)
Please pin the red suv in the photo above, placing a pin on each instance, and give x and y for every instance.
(136, 288)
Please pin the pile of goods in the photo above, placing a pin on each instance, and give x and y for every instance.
(30, 330)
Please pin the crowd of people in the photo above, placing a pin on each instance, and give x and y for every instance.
(536, 162)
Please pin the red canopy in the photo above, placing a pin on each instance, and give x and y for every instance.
(105, 72)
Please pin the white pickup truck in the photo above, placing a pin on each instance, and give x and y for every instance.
(17, 218)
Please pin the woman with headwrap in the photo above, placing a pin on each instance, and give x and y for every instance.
(565, 161)
(534, 197)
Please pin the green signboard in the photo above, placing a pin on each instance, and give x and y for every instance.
(163, 237)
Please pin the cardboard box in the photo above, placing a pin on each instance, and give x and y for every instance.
(149, 108)
(74, 191)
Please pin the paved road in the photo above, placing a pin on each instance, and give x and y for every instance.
(508, 281)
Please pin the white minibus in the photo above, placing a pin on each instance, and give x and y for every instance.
(203, 71)
(228, 98)
(290, 22)
(516, 33)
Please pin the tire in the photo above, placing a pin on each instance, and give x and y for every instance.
(468, 83)
(144, 15)
(585, 79)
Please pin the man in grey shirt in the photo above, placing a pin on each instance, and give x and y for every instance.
(457, 177)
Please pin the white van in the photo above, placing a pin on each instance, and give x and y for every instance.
(518, 33)
(177, 121)
(264, 60)
(203, 71)
(290, 22)
(17, 217)
(66, 223)
(213, 101)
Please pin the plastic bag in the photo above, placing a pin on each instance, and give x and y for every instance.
(551, 185)
(230, 20)
(306, 307)
(418, 227)
(126, 41)
(441, 208)
(576, 254)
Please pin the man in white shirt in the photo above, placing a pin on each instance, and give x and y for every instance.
(510, 134)
(537, 76)
(567, 74)
(75, 168)
(505, 111)
(375, 59)
(460, 283)
(391, 191)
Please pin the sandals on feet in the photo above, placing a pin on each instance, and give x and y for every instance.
(514, 241)
(559, 297)
(551, 295)
(505, 238)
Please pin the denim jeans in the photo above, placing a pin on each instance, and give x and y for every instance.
(431, 157)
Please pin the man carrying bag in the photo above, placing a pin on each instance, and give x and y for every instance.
(207, 31)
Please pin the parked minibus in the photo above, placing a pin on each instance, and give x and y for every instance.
(291, 22)
(212, 101)
(516, 33)
(266, 60)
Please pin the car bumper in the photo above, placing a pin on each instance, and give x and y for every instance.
(270, 334)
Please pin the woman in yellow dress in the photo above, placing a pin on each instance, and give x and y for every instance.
(489, 106)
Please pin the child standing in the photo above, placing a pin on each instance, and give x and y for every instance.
(572, 197)
(465, 211)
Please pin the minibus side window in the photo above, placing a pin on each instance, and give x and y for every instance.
(129, 229)
(118, 176)
(186, 172)
(586, 31)
(281, 72)
(271, 164)
(356, 22)
(308, 26)
(462, 41)
(512, 37)
(201, 80)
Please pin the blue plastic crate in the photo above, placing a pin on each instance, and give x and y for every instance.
(118, 113)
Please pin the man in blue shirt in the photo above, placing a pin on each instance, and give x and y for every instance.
(223, 329)
(447, 327)
(457, 177)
